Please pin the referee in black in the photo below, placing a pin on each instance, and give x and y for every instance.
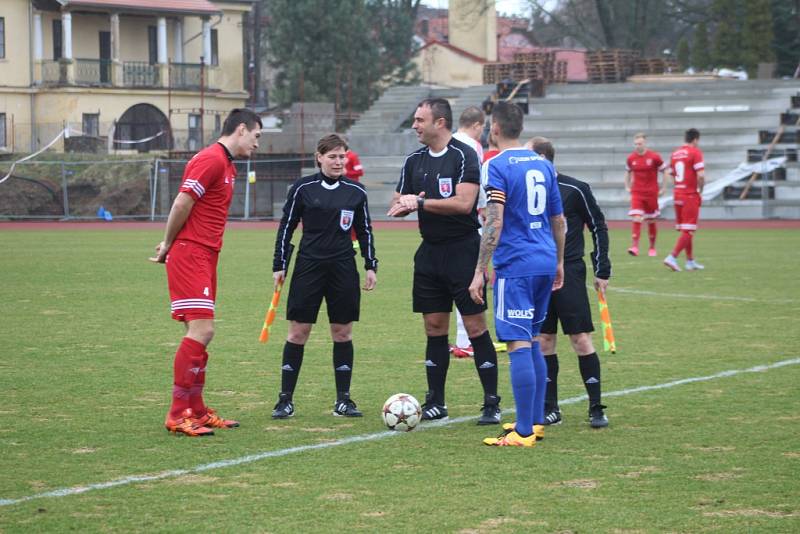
(440, 181)
(329, 206)
(570, 304)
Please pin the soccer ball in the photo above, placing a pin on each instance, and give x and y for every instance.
(401, 412)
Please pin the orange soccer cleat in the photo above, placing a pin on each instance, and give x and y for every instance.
(188, 425)
(211, 419)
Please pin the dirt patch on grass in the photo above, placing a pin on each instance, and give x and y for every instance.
(191, 479)
(284, 484)
(490, 525)
(639, 472)
(718, 477)
(581, 483)
(751, 512)
(83, 450)
(339, 497)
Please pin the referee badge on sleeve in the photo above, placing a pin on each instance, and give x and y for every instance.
(445, 187)
(346, 219)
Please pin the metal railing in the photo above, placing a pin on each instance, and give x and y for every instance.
(140, 74)
(186, 75)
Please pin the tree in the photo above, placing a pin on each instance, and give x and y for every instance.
(701, 57)
(727, 48)
(683, 54)
(338, 54)
(786, 37)
(757, 35)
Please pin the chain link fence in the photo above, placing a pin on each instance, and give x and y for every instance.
(135, 189)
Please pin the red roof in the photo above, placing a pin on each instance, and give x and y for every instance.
(455, 49)
(170, 6)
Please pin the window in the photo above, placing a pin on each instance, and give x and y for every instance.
(58, 40)
(195, 139)
(152, 44)
(91, 124)
(3, 130)
(2, 37)
(214, 48)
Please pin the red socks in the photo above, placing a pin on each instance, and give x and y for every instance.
(635, 233)
(196, 397)
(684, 242)
(652, 229)
(189, 361)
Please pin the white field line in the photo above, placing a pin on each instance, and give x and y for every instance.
(75, 490)
(697, 296)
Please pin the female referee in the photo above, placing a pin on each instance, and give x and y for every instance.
(329, 206)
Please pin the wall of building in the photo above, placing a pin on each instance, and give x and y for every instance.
(472, 26)
(15, 68)
(440, 65)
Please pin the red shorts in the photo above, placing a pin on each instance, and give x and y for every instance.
(192, 280)
(644, 205)
(687, 208)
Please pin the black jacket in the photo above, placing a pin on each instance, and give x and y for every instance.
(581, 209)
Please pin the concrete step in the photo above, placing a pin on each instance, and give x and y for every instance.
(654, 106)
(722, 87)
(656, 137)
(569, 123)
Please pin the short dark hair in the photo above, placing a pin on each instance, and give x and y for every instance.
(330, 142)
(691, 134)
(470, 116)
(509, 119)
(440, 108)
(543, 147)
(238, 116)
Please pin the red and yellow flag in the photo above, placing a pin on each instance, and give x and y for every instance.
(609, 343)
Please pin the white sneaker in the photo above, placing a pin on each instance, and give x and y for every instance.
(670, 262)
(692, 265)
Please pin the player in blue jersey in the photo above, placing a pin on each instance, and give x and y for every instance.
(524, 230)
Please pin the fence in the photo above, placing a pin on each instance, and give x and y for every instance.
(140, 189)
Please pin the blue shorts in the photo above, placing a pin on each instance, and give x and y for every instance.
(520, 306)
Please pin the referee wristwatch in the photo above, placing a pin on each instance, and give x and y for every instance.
(420, 203)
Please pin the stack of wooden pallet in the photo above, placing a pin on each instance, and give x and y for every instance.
(527, 66)
(654, 65)
(610, 66)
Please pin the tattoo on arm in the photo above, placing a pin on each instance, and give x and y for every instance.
(491, 234)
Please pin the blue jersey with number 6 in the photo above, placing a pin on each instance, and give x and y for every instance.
(527, 182)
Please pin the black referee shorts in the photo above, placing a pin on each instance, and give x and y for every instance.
(336, 281)
(570, 304)
(442, 275)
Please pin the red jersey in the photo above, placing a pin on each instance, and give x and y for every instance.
(489, 154)
(644, 169)
(352, 167)
(209, 179)
(686, 161)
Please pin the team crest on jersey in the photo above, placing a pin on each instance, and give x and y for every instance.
(346, 219)
(649, 162)
(445, 187)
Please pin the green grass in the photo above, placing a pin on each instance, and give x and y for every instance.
(85, 378)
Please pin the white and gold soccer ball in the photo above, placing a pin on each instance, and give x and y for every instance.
(401, 412)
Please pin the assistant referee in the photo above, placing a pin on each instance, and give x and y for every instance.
(570, 304)
(329, 206)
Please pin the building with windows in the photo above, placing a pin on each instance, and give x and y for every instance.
(116, 72)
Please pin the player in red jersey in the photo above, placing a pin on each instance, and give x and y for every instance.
(352, 166)
(191, 245)
(688, 173)
(641, 181)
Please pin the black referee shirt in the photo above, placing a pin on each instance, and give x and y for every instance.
(329, 209)
(580, 208)
(438, 175)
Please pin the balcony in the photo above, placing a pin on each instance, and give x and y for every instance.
(140, 74)
(85, 72)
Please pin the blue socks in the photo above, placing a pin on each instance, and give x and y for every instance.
(523, 384)
(540, 370)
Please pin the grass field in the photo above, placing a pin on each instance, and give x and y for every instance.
(85, 377)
